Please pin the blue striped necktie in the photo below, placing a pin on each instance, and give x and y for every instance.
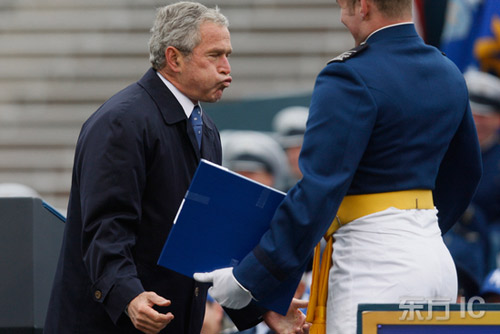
(197, 123)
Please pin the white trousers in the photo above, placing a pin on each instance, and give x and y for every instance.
(384, 257)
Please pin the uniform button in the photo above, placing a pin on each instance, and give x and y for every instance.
(98, 294)
(196, 291)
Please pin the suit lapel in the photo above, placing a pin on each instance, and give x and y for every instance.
(169, 107)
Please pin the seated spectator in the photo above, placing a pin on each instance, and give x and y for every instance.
(255, 155)
(484, 95)
(290, 126)
(490, 289)
(259, 157)
(467, 242)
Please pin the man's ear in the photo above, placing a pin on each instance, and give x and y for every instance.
(173, 59)
(364, 8)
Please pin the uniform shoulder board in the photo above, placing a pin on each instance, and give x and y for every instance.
(349, 54)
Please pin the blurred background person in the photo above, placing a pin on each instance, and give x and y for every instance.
(289, 125)
(260, 157)
(474, 242)
(467, 242)
(484, 92)
(490, 290)
(255, 155)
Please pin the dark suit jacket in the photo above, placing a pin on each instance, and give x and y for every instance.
(134, 161)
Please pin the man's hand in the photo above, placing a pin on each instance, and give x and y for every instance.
(294, 322)
(144, 317)
(226, 290)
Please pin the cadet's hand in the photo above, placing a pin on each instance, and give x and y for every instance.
(226, 290)
(294, 322)
(144, 317)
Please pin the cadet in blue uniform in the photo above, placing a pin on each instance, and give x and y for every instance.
(389, 137)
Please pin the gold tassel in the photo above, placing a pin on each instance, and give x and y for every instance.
(316, 310)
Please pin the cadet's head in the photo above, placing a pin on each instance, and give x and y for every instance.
(484, 96)
(290, 126)
(362, 17)
(255, 155)
(189, 46)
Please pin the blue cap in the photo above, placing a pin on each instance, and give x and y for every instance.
(492, 283)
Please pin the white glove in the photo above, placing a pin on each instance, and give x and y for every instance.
(226, 290)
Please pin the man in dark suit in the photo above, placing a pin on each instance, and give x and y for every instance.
(134, 161)
(390, 138)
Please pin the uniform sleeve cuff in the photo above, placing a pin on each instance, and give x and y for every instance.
(253, 276)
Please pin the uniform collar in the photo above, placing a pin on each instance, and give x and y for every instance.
(398, 29)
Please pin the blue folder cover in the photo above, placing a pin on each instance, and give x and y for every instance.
(221, 219)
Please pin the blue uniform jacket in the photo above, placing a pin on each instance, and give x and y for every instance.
(134, 161)
(393, 116)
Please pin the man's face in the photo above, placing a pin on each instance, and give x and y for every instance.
(293, 154)
(260, 176)
(205, 72)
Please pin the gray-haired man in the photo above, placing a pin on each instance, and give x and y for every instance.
(134, 161)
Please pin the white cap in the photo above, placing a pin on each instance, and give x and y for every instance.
(484, 91)
(251, 151)
(290, 125)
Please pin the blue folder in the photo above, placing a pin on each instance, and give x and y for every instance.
(221, 219)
